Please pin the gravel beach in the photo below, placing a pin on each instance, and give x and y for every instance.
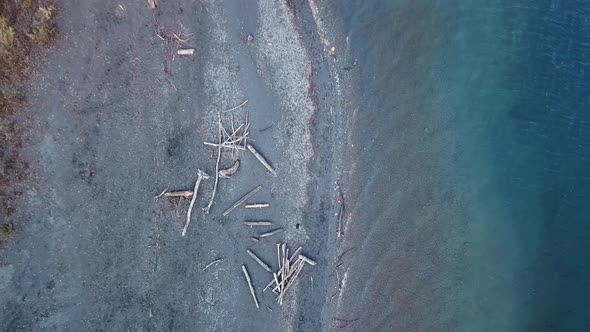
(115, 117)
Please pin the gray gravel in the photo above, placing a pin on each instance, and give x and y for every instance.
(114, 124)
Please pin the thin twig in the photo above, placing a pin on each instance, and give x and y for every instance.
(242, 200)
(257, 223)
(162, 193)
(213, 262)
(250, 285)
(307, 260)
(200, 175)
(236, 107)
(261, 159)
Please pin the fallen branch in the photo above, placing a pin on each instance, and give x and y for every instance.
(261, 159)
(257, 206)
(250, 285)
(200, 175)
(259, 261)
(206, 209)
(242, 200)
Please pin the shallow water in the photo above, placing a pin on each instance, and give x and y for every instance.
(474, 133)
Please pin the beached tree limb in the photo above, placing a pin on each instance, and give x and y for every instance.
(242, 200)
(200, 176)
(250, 285)
(219, 128)
(261, 159)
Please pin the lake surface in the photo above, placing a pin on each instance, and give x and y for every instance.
(473, 142)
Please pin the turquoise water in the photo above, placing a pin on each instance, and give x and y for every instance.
(474, 128)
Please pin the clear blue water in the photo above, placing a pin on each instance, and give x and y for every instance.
(474, 127)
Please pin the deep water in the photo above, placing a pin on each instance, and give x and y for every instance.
(473, 141)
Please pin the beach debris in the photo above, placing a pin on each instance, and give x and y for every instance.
(237, 140)
(261, 159)
(250, 285)
(273, 232)
(228, 172)
(218, 260)
(254, 239)
(257, 206)
(185, 51)
(179, 193)
(236, 107)
(257, 223)
(242, 200)
(219, 130)
(340, 212)
(288, 270)
(200, 176)
(259, 261)
(175, 38)
(307, 260)
(152, 4)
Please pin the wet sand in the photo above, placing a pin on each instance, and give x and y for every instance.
(113, 122)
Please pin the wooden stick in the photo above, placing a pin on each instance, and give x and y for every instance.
(236, 107)
(206, 209)
(257, 223)
(257, 206)
(294, 255)
(242, 200)
(180, 193)
(307, 260)
(213, 262)
(261, 160)
(292, 280)
(259, 261)
(291, 271)
(267, 234)
(250, 285)
(162, 193)
(200, 175)
(279, 255)
(186, 51)
(152, 4)
(293, 261)
(285, 272)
